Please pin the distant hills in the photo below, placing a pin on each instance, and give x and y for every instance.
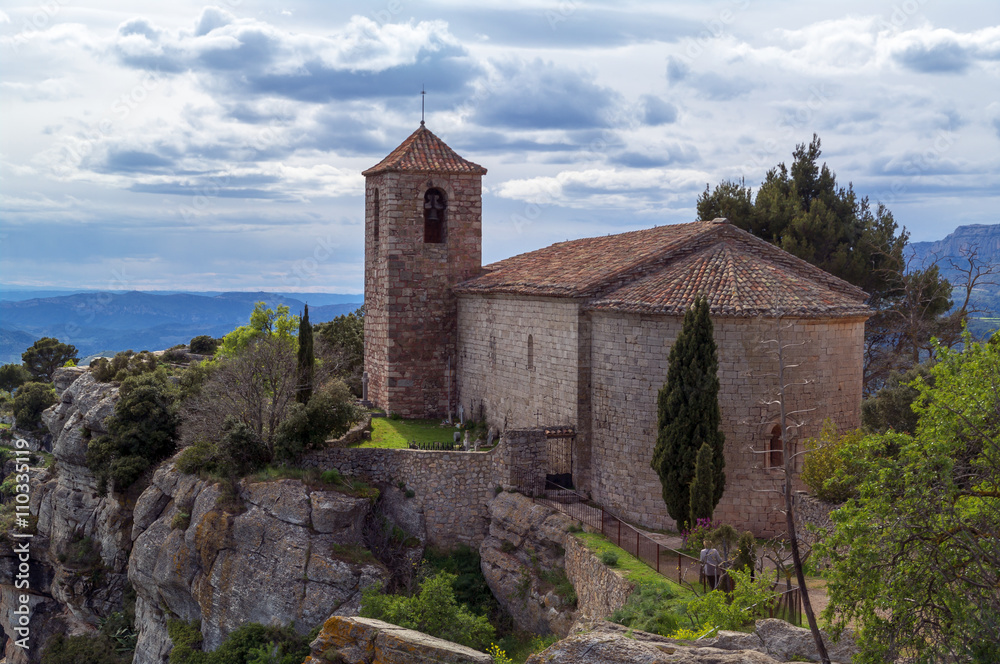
(104, 322)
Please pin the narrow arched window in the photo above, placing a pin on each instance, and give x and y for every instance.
(776, 451)
(435, 207)
(376, 210)
(531, 353)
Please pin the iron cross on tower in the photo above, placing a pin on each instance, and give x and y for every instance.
(423, 93)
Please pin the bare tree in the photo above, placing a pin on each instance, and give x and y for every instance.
(256, 387)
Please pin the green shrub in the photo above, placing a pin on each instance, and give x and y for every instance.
(13, 376)
(826, 469)
(750, 599)
(122, 365)
(329, 414)
(186, 637)
(29, 402)
(563, 587)
(649, 609)
(203, 345)
(181, 520)
(609, 558)
(434, 610)
(97, 649)
(140, 433)
(82, 553)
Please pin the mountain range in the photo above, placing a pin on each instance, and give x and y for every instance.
(103, 322)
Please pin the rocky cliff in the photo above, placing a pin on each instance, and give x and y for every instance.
(276, 553)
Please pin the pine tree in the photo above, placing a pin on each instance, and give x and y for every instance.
(702, 488)
(688, 415)
(306, 360)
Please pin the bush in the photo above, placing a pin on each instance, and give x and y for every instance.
(891, 408)
(46, 355)
(649, 609)
(203, 345)
(29, 402)
(99, 649)
(750, 599)
(827, 468)
(13, 376)
(434, 610)
(123, 365)
(140, 433)
(329, 414)
(609, 558)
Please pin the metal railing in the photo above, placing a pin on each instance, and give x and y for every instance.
(668, 562)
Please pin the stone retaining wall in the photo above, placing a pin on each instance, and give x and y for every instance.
(600, 590)
(812, 513)
(453, 489)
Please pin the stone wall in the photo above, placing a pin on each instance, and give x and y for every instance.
(600, 590)
(493, 365)
(629, 366)
(812, 514)
(410, 318)
(453, 489)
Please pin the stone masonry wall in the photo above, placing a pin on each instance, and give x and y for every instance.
(493, 362)
(410, 308)
(453, 489)
(629, 366)
(600, 590)
(811, 514)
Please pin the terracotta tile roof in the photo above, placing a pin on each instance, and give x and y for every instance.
(662, 269)
(579, 268)
(738, 280)
(425, 152)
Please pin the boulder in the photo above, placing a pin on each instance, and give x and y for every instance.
(354, 640)
(785, 641)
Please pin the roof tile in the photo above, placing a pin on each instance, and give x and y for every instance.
(423, 152)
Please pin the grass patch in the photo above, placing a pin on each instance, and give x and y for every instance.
(314, 479)
(632, 568)
(518, 646)
(390, 433)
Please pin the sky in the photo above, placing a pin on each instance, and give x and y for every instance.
(157, 146)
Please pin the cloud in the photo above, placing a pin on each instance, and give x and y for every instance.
(942, 58)
(363, 59)
(944, 51)
(655, 111)
(542, 95)
(621, 188)
(49, 89)
(710, 84)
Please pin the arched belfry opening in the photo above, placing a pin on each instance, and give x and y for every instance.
(435, 211)
(775, 450)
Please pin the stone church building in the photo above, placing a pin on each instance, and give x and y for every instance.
(575, 337)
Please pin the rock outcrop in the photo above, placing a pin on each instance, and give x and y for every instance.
(524, 549)
(79, 554)
(368, 641)
(293, 554)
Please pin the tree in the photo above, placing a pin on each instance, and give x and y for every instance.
(915, 559)
(306, 360)
(29, 402)
(703, 485)
(342, 347)
(13, 376)
(264, 322)
(46, 355)
(688, 415)
(140, 433)
(329, 414)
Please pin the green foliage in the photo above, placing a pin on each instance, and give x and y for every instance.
(702, 488)
(563, 587)
(471, 589)
(891, 408)
(694, 634)
(186, 637)
(29, 402)
(238, 452)
(688, 415)
(750, 599)
(253, 643)
(746, 552)
(96, 649)
(140, 433)
(434, 610)
(650, 609)
(828, 468)
(305, 365)
(609, 558)
(13, 376)
(264, 322)
(82, 553)
(119, 628)
(203, 345)
(122, 365)
(341, 347)
(915, 560)
(329, 414)
(46, 355)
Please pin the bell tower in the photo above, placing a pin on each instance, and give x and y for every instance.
(423, 235)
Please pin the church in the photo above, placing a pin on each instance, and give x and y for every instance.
(574, 337)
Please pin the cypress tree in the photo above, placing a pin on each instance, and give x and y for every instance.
(306, 360)
(688, 415)
(703, 486)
